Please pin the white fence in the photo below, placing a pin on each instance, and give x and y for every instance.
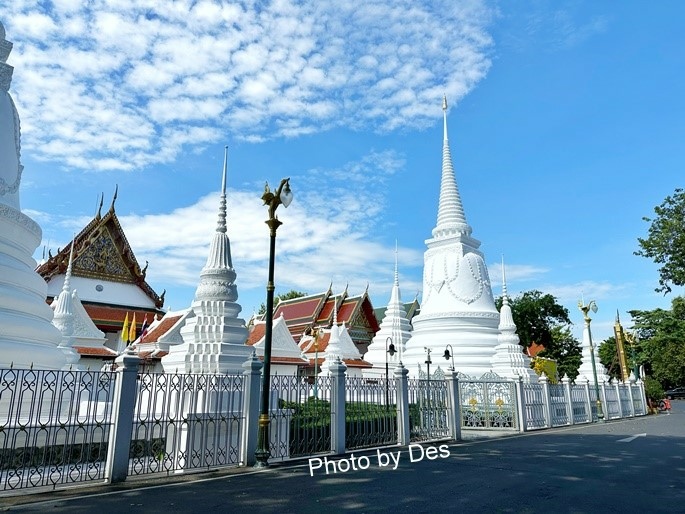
(64, 427)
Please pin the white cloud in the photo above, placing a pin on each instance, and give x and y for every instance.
(334, 243)
(113, 84)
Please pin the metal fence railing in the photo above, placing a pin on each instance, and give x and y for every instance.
(54, 426)
(186, 421)
(370, 412)
(67, 427)
(428, 410)
(300, 416)
(558, 405)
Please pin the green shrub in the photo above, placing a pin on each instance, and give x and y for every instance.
(653, 389)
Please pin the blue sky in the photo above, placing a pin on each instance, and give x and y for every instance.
(566, 127)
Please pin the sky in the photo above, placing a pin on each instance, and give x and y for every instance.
(566, 122)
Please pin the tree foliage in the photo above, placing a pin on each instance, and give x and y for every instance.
(540, 319)
(280, 297)
(608, 356)
(535, 314)
(661, 348)
(665, 242)
(566, 350)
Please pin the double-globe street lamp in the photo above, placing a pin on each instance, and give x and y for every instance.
(282, 195)
(592, 306)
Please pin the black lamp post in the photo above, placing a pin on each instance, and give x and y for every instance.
(449, 355)
(283, 195)
(585, 309)
(428, 381)
(388, 350)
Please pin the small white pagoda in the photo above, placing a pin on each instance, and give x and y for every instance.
(457, 307)
(509, 360)
(213, 335)
(27, 336)
(395, 329)
(340, 345)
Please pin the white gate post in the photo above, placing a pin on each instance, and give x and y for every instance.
(569, 399)
(546, 400)
(615, 382)
(454, 404)
(402, 385)
(123, 407)
(603, 392)
(337, 370)
(521, 405)
(251, 389)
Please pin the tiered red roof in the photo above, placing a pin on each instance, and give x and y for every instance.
(306, 314)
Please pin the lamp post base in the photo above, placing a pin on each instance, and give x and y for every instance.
(600, 413)
(262, 454)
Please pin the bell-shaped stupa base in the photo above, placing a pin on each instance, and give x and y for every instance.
(27, 336)
(472, 340)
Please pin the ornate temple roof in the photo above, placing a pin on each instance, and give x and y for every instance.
(102, 252)
(307, 313)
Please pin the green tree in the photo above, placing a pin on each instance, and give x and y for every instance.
(540, 319)
(661, 348)
(280, 297)
(535, 314)
(608, 356)
(665, 242)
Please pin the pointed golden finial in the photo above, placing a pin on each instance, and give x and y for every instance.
(114, 199)
(99, 213)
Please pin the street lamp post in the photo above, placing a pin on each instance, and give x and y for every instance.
(428, 382)
(449, 355)
(592, 306)
(283, 195)
(316, 362)
(388, 350)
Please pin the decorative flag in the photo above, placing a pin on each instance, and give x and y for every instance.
(124, 329)
(132, 330)
(143, 329)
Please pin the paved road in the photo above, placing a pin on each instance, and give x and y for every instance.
(588, 469)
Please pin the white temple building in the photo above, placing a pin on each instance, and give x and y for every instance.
(213, 335)
(79, 333)
(509, 360)
(286, 356)
(457, 307)
(27, 336)
(395, 329)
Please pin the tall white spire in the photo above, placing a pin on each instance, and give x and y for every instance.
(214, 337)
(509, 360)
(451, 217)
(64, 314)
(457, 306)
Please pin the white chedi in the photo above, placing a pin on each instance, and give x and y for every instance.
(509, 360)
(27, 336)
(457, 306)
(214, 336)
(395, 330)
